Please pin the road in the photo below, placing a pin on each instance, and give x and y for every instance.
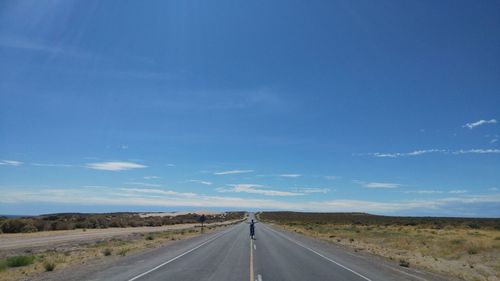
(274, 255)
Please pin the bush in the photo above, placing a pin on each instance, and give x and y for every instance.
(107, 252)
(472, 250)
(49, 266)
(18, 225)
(404, 263)
(18, 261)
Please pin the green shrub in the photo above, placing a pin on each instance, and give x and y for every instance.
(18, 261)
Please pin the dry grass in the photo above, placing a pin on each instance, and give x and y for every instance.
(104, 249)
(469, 254)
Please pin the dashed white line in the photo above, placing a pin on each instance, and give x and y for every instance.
(319, 254)
(259, 277)
(254, 246)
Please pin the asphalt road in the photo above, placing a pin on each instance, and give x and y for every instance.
(274, 255)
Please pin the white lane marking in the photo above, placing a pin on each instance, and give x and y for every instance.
(255, 246)
(177, 257)
(259, 277)
(321, 255)
(251, 261)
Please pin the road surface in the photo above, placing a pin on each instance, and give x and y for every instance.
(273, 256)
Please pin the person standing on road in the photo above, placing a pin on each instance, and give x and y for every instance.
(252, 230)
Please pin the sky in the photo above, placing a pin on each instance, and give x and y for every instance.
(385, 107)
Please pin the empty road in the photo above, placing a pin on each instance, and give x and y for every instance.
(274, 255)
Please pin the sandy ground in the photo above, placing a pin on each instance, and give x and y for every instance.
(17, 241)
(173, 214)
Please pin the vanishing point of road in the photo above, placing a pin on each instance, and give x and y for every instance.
(274, 255)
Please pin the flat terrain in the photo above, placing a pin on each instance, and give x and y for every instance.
(230, 255)
(465, 248)
(47, 239)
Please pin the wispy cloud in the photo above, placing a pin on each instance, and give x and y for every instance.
(405, 154)
(51, 165)
(151, 177)
(388, 185)
(256, 189)
(479, 123)
(232, 172)
(493, 189)
(160, 191)
(331, 177)
(313, 190)
(10, 163)
(290, 175)
(425, 191)
(429, 151)
(457, 191)
(201, 182)
(457, 205)
(144, 184)
(477, 151)
(114, 166)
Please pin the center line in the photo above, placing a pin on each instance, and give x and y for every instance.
(251, 261)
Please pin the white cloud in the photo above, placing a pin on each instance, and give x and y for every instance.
(477, 151)
(114, 166)
(256, 189)
(10, 162)
(313, 190)
(479, 123)
(231, 172)
(428, 151)
(160, 191)
(378, 184)
(151, 177)
(457, 191)
(331, 177)
(405, 154)
(201, 182)
(290, 175)
(144, 184)
(454, 206)
(493, 189)
(171, 165)
(51, 165)
(425, 191)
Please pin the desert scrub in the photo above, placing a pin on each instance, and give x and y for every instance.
(404, 263)
(18, 261)
(107, 252)
(49, 266)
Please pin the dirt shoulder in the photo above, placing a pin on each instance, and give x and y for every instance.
(11, 243)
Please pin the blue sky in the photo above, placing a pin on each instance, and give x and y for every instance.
(387, 107)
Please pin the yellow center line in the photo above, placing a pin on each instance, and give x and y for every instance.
(251, 260)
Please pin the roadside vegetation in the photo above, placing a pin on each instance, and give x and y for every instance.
(31, 264)
(69, 221)
(465, 248)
